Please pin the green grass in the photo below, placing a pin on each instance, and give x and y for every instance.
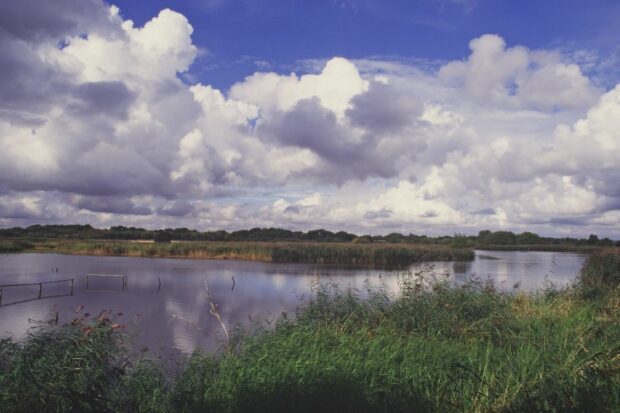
(601, 273)
(435, 347)
(382, 256)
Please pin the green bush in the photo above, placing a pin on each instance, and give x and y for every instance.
(600, 274)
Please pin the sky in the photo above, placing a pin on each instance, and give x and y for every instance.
(372, 116)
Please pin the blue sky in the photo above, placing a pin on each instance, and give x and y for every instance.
(238, 33)
(430, 116)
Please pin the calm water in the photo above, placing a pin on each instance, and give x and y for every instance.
(157, 289)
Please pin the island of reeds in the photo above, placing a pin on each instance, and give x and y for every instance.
(383, 256)
(434, 347)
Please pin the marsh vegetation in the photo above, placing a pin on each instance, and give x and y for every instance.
(14, 245)
(391, 251)
(434, 347)
(384, 256)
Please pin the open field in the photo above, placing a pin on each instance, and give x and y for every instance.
(439, 348)
(383, 256)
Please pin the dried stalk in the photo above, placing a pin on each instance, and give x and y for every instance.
(214, 312)
(190, 322)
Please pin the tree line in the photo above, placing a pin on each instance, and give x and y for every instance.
(485, 237)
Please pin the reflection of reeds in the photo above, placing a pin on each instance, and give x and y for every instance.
(383, 256)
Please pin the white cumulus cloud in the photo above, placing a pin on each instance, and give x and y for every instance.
(97, 126)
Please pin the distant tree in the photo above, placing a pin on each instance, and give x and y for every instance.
(342, 236)
(241, 235)
(592, 239)
(483, 236)
(162, 237)
(395, 237)
(214, 235)
(459, 241)
(606, 242)
(364, 239)
(498, 238)
(319, 235)
(528, 238)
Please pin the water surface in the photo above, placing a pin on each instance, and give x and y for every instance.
(159, 289)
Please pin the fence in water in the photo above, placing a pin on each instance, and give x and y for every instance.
(123, 278)
(6, 287)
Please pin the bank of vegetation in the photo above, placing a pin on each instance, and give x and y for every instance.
(380, 256)
(15, 246)
(485, 239)
(435, 347)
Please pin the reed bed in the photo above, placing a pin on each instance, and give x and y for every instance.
(435, 347)
(382, 256)
(14, 246)
(584, 249)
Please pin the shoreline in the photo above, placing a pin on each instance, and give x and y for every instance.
(370, 256)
